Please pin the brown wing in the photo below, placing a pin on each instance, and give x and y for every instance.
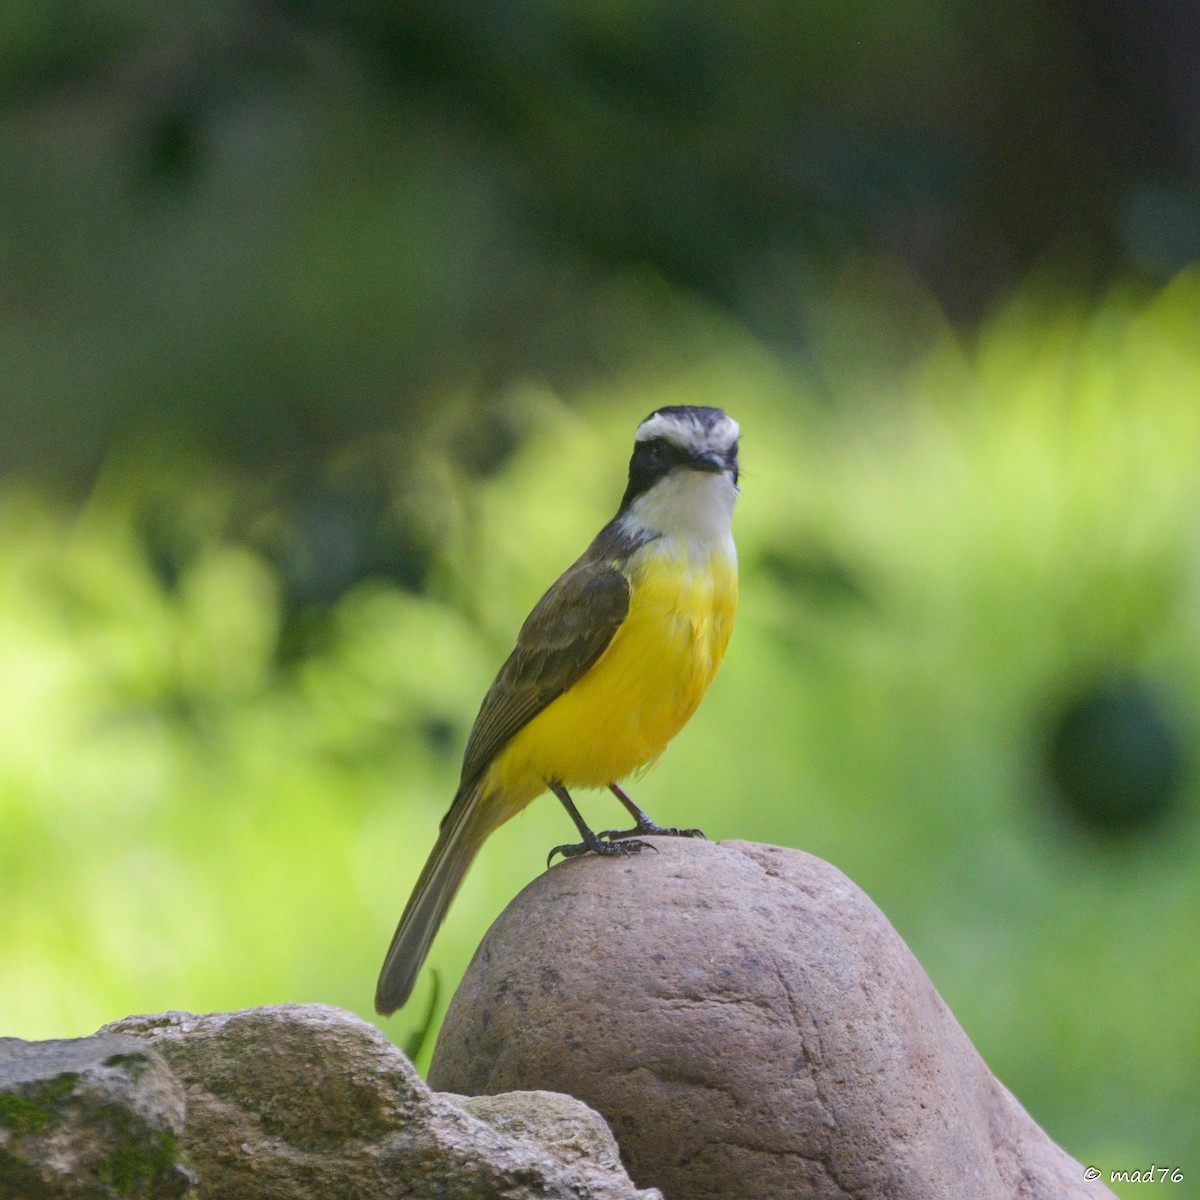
(565, 634)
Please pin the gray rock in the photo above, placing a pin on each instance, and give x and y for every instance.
(566, 1127)
(89, 1117)
(306, 1102)
(750, 1026)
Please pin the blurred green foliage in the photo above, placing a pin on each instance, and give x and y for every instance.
(263, 226)
(323, 332)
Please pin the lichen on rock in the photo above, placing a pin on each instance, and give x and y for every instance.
(306, 1102)
(90, 1117)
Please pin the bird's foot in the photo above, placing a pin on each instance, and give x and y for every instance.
(648, 827)
(594, 844)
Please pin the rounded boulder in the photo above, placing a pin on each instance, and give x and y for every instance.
(750, 1025)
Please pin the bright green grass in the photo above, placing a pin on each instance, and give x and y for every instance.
(929, 565)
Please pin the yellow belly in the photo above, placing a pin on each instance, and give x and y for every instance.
(641, 691)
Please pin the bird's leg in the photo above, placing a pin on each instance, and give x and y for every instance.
(644, 824)
(590, 840)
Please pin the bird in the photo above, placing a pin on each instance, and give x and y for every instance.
(608, 667)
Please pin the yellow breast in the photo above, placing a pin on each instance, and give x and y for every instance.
(641, 692)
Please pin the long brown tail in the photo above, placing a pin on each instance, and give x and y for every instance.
(463, 831)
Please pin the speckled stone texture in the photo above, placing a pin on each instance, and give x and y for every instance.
(306, 1102)
(750, 1025)
(99, 1117)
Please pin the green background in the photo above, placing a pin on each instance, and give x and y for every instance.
(323, 333)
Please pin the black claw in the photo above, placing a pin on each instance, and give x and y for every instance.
(594, 845)
(650, 828)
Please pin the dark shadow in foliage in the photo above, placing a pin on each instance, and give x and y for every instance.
(1114, 755)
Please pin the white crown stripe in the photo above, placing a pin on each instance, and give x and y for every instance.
(685, 430)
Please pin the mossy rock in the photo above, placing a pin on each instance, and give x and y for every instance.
(89, 1117)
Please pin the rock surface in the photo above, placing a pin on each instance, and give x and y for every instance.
(566, 1127)
(305, 1101)
(751, 1026)
(96, 1116)
(299, 1102)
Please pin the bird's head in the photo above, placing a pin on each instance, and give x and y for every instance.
(683, 474)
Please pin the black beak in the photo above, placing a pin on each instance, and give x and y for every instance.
(711, 464)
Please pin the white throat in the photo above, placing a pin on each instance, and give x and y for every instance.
(692, 507)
